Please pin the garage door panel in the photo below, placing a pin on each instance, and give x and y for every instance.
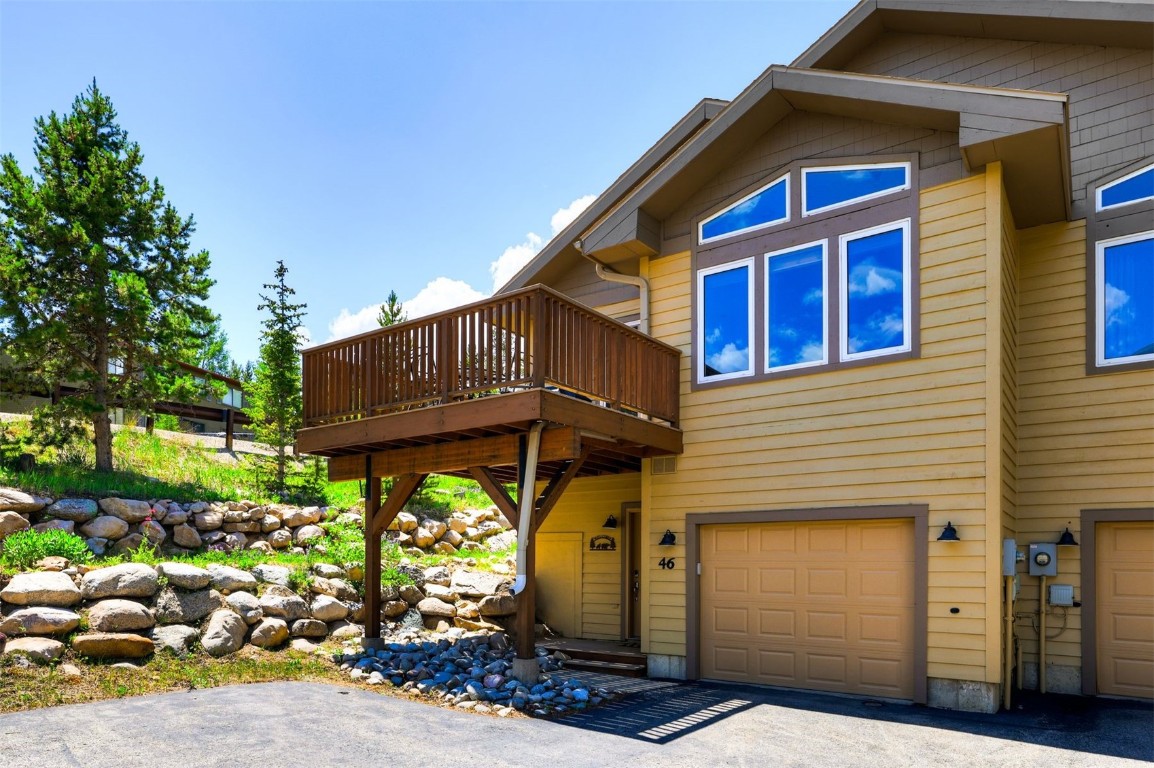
(734, 541)
(1124, 564)
(731, 661)
(833, 605)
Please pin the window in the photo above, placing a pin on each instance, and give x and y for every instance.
(779, 296)
(796, 307)
(1132, 188)
(1124, 293)
(875, 291)
(726, 321)
(764, 207)
(824, 189)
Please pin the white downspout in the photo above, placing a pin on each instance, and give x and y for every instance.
(528, 494)
(606, 274)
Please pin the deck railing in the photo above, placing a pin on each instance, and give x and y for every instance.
(534, 337)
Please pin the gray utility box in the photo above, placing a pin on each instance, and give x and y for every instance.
(1043, 560)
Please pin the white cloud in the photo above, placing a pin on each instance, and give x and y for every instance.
(812, 352)
(874, 281)
(351, 323)
(510, 262)
(713, 336)
(813, 297)
(304, 335)
(565, 216)
(1116, 299)
(440, 294)
(729, 359)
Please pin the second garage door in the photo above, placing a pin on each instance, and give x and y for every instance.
(821, 605)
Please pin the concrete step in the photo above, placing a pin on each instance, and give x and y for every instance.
(606, 667)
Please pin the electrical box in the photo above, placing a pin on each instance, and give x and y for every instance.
(1043, 559)
(1062, 594)
(1009, 557)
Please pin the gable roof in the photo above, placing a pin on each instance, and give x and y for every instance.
(1092, 22)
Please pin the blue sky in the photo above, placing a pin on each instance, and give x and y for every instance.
(430, 148)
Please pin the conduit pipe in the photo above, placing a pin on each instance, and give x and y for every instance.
(608, 275)
(528, 494)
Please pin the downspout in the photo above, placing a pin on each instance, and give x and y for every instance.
(528, 494)
(606, 274)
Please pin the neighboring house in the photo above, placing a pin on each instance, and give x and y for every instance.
(896, 293)
(211, 413)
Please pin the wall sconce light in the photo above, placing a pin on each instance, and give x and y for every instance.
(668, 540)
(610, 522)
(1067, 539)
(949, 533)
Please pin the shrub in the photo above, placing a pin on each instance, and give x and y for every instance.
(24, 548)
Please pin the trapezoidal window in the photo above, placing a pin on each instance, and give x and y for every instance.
(796, 307)
(875, 293)
(765, 207)
(725, 321)
(832, 187)
(1131, 188)
(1124, 300)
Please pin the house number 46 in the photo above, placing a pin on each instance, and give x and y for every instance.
(667, 563)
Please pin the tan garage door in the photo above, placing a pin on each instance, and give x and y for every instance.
(826, 606)
(1125, 613)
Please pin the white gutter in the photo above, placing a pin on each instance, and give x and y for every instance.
(528, 495)
(606, 274)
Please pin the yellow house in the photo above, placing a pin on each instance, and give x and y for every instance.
(869, 385)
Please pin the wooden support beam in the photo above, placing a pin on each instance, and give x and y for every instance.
(559, 444)
(552, 493)
(526, 619)
(229, 428)
(377, 518)
(497, 493)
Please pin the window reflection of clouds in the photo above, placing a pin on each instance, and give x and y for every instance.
(725, 296)
(1134, 188)
(1128, 299)
(875, 305)
(795, 306)
(765, 207)
(824, 189)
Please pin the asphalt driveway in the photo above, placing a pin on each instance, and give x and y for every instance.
(316, 725)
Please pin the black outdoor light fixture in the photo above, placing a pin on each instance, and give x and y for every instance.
(610, 522)
(668, 540)
(949, 533)
(1067, 539)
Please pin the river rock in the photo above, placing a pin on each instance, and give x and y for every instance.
(246, 605)
(10, 522)
(338, 588)
(97, 545)
(112, 645)
(41, 649)
(223, 633)
(185, 535)
(404, 522)
(343, 630)
(175, 638)
(431, 606)
(411, 594)
(329, 571)
(309, 628)
(501, 541)
(50, 588)
(467, 609)
(105, 527)
(228, 579)
(129, 543)
(269, 633)
(272, 574)
(441, 593)
(128, 510)
(184, 576)
(234, 541)
(40, 620)
(423, 538)
(15, 500)
(125, 580)
(269, 523)
(176, 516)
(294, 518)
(477, 583)
(280, 539)
(452, 538)
(208, 521)
(284, 603)
(175, 607)
(76, 510)
(497, 605)
(154, 532)
(308, 533)
(391, 609)
(326, 608)
(55, 525)
(117, 615)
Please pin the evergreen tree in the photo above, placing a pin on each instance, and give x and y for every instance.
(275, 393)
(392, 311)
(98, 289)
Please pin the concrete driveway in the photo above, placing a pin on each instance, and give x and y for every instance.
(315, 725)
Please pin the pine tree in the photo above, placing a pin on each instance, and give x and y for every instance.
(275, 393)
(99, 292)
(392, 311)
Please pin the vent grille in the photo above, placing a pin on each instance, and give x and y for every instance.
(663, 465)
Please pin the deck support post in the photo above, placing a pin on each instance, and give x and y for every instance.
(229, 426)
(377, 519)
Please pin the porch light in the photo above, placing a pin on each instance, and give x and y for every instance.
(610, 522)
(949, 533)
(668, 540)
(1067, 539)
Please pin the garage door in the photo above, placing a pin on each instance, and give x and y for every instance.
(826, 605)
(1125, 620)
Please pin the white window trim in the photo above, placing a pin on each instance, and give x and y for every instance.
(702, 240)
(701, 275)
(1098, 192)
(843, 293)
(824, 307)
(805, 210)
(1100, 247)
